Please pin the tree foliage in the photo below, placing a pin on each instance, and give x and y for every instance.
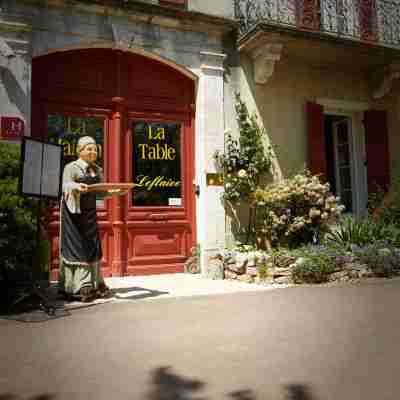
(17, 215)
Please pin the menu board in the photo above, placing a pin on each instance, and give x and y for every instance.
(41, 165)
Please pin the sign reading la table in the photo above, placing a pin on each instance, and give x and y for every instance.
(12, 128)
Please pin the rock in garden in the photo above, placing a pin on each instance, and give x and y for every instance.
(283, 279)
(338, 276)
(282, 271)
(230, 275)
(237, 270)
(252, 271)
(245, 278)
(366, 273)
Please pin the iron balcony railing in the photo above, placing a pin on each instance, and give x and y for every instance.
(368, 20)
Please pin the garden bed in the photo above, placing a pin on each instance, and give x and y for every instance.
(311, 264)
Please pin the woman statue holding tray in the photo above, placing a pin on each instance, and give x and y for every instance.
(80, 246)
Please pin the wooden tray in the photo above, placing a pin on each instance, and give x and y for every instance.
(110, 187)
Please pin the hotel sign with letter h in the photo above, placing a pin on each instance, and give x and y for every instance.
(12, 128)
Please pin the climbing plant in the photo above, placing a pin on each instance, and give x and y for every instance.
(245, 160)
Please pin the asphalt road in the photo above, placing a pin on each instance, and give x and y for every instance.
(293, 344)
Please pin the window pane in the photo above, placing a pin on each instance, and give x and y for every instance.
(345, 178)
(66, 131)
(342, 133)
(156, 164)
(343, 155)
(346, 197)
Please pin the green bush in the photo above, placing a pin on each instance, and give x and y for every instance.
(364, 232)
(17, 225)
(382, 259)
(313, 268)
(17, 214)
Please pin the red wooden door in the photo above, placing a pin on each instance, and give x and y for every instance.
(108, 94)
(160, 210)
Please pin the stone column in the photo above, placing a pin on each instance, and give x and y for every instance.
(209, 138)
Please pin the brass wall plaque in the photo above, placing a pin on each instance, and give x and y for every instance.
(215, 179)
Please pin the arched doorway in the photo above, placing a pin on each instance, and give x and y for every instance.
(141, 112)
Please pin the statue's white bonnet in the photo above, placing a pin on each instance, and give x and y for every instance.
(83, 142)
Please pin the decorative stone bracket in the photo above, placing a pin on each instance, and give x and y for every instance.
(264, 58)
(390, 73)
(15, 39)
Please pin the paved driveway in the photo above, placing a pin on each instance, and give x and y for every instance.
(295, 343)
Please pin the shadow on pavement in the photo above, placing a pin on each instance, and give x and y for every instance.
(170, 386)
(167, 385)
(9, 396)
(35, 312)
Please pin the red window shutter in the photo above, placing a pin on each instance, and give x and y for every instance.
(316, 140)
(367, 15)
(308, 14)
(377, 150)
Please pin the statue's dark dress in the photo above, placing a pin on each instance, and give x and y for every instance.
(80, 240)
(80, 246)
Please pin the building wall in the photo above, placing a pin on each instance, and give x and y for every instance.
(281, 104)
(221, 8)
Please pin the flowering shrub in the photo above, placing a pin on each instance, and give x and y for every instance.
(295, 211)
(244, 160)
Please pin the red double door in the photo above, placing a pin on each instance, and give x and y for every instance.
(140, 111)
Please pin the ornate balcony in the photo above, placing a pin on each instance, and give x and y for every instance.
(373, 21)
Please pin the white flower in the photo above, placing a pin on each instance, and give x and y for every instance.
(300, 261)
(314, 213)
(242, 173)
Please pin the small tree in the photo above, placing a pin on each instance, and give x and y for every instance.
(244, 161)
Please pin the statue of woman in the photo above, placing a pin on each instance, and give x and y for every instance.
(80, 246)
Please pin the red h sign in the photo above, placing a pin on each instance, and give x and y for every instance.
(12, 128)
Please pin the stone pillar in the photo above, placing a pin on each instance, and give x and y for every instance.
(209, 138)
